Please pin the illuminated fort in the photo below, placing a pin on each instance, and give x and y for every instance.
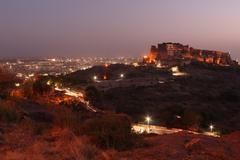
(176, 53)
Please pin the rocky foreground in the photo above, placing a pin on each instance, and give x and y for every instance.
(64, 145)
(184, 146)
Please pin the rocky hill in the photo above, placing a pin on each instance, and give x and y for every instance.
(205, 94)
(37, 129)
(183, 146)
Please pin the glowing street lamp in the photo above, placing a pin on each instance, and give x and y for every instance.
(211, 127)
(49, 83)
(148, 119)
(121, 75)
(95, 78)
(106, 65)
(17, 84)
(105, 77)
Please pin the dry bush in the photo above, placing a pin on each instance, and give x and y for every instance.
(8, 112)
(67, 146)
(81, 148)
(65, 118)
(54, 144)
(110, 131)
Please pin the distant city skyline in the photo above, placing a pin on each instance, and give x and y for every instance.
(114, 28)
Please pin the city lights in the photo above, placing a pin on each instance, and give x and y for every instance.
(61, 66)
(19, 75)
(17, 84)
(135, 64)
(145, 57)
(31, 75)
(53, 60)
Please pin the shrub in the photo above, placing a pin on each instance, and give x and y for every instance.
(110, 131)
(3, 95)
(191, 119)
(229, 96)
(33, 127)
(40, 87)
(93, 95)
(44, 117)
(8, 115)
(65, 118)
(39, 128)
(88, 151)
(75, 106)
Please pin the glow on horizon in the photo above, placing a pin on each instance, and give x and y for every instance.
(115, 27)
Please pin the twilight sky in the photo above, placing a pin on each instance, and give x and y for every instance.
(75, 28)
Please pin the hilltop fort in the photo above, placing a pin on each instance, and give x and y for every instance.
(176, 53)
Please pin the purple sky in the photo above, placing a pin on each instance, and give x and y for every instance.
(47, 28)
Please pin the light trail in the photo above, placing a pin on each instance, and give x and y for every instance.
(79, 95)
(160, 130)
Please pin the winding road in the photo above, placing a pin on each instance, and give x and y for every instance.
(139, 128)
(79, 95)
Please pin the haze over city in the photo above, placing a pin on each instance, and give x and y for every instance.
(112, 28)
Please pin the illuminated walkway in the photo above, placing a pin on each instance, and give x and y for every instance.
(144, 128)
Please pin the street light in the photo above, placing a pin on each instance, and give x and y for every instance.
(17, 84)
(211, 127)
(148, 119)
(94, 77)
(49, 83)
(106, 65)
(121, 75)
(105, 77)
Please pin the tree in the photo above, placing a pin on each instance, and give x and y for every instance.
(7, 82)
(93, 95)
(41, 87)
(110, 131)
(191, 119)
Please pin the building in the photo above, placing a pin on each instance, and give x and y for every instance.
(176, 53)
